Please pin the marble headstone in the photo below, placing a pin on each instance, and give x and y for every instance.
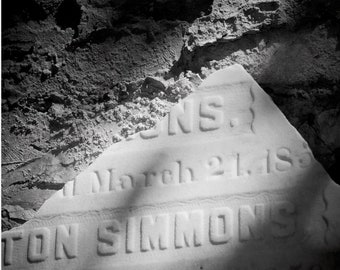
(222, 182)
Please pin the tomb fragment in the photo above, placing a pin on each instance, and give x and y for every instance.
(222, 182)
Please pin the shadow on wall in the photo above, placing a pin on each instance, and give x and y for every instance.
(18, 11)
(165, 10)
(132, 18)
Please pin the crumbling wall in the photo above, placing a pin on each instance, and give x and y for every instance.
(79, 75)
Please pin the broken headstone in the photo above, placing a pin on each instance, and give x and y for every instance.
(222, 182)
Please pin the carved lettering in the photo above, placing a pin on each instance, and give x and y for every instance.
(108, 237)
(152, 179)
(155, 232)
(251, 223)
(126, 181)
(66, 245)
(240, 171)
(181, 117)
(8, 242)
(212, 116)
(179, 173)
(38, 245)
(115, 183)
(101, 181)
(131, 235)
(189, 229)
(167, 177)
(68, 189)
(227, 164)
(208, 113)
(215, 166)
(284, 161)
(185, 174)
(221, 225)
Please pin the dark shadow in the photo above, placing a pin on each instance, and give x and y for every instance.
(334, 169)
(318, 12)
(68, 15)
(165, 10)
(310, 202)
(201, 56)
(17, 11)
(135, 17)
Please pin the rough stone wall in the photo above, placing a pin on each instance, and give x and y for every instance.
(79, 75)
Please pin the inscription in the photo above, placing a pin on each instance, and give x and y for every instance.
(270, 161)
(284, 160)
(39, 243)
(217, 167)
(159, 232)
(211, 114)
(110, 181)
(251, 222)
(181, 118)
(189, 229)
(221, 225)
(154, 232)
(108, 238)
(7, 240)
(131, 235)
(66, 241)
(207, 113)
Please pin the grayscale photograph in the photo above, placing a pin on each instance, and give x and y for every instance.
(170, 134)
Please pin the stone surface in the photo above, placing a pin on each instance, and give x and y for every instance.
(222, 182)
(74, 75)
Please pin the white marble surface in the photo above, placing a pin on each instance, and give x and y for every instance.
(223, 182)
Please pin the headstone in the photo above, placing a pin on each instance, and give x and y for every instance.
(223, 182)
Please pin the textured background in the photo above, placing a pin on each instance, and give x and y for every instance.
(79, 75)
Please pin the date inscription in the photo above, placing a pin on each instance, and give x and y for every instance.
(218, 167)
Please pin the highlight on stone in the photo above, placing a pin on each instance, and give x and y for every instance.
(222, 182)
